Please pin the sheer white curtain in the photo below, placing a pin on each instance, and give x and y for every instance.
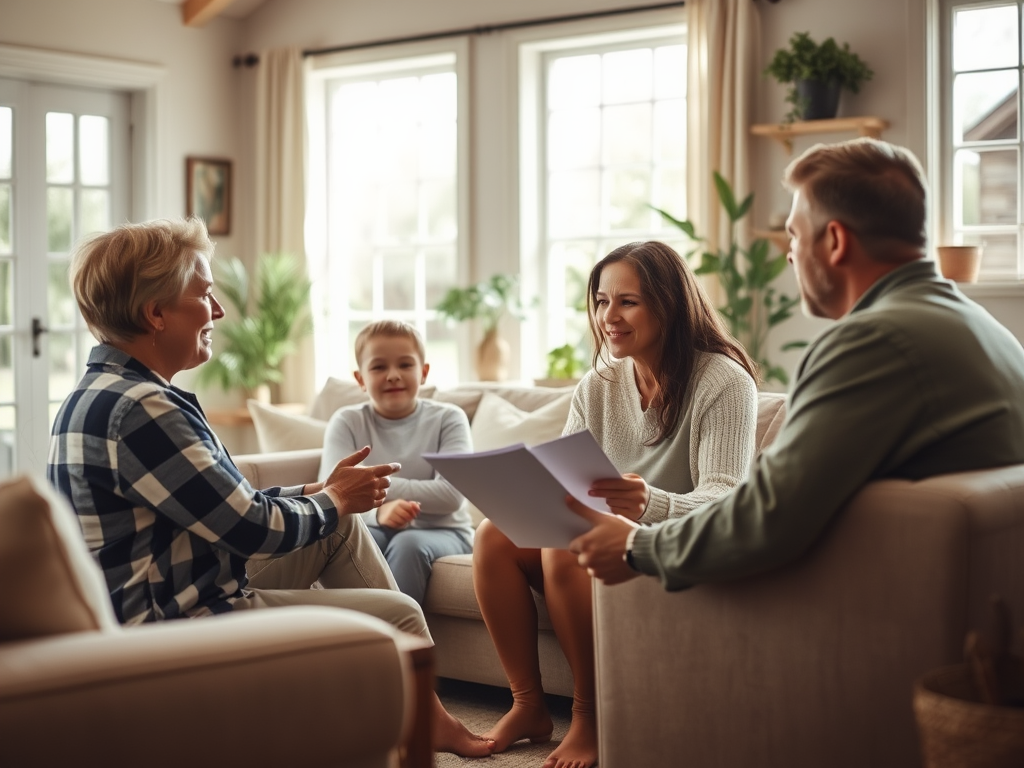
(280, 185)
(722, 72)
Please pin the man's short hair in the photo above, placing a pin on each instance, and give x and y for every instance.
(389, 328)
(874, 188)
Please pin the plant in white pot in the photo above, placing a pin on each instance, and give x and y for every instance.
(816, 75)
(272, 314)
(487, 301)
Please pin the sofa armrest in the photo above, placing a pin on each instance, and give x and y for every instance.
(291, 686)
(815, 660)
(287, 468)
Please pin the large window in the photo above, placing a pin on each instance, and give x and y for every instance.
(611, 126)
(390, 223)
(981, 55)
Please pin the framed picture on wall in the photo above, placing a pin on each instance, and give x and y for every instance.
(208, 192)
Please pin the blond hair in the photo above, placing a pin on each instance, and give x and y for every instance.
(388, 328)
(115, 274)
(876, 189)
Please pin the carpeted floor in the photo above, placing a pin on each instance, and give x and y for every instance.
(480, 706)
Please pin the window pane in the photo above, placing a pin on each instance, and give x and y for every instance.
(94, 149)
(360, 282)
(627, 134)
(6, 118)
(6, 370)
(628, 76)
(670, 72)
(59, 207)
(400, 211)
(437, 149)
(400, 280)
(670, 131)
(669, 194)
(985, 38)
(985, 106)
(441, 267)
(999, 255)
(439, 209)
(5, 218)
(60, 148)
(574, 138)
(61, 301)
(7, 440)
(442, 354)
(574, 203)
(62, 364)
(987, 187)
(629, 193)
(576, 258)
(6, 292)
(95, 211)
(574, 81)
(438, 97)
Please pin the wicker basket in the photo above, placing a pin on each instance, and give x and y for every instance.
(958, 731)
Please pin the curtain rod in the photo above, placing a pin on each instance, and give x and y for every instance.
(487, 29)
(251, 59)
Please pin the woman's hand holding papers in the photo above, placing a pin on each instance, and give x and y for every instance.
(627, 495)
(602, 550)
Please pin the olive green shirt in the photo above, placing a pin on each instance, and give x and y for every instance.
(917, 380)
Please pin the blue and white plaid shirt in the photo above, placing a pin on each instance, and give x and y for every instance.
(164, 510)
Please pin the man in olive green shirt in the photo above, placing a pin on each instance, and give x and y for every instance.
(914, 380)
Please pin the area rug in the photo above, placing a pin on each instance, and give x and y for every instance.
(480, 707)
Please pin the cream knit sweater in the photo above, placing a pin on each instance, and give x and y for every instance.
(711, 451)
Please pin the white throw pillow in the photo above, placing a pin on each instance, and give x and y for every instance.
(498, 423)
(278, 430)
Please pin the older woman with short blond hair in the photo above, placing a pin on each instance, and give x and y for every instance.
(164, 510)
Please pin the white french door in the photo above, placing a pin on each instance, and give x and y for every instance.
(64, 173)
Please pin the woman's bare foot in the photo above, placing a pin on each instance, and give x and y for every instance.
(450, 735)
(523, 721)
(579, 747)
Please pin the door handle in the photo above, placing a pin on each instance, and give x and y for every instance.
(38, 329)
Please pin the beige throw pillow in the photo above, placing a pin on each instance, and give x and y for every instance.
(52, 585)
(278, 430)
(497, 423)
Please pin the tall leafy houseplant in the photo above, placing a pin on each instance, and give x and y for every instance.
(487, 301)
(808, 68)
(272, 315)
(753, 306)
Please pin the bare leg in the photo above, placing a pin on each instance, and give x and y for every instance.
(502, 575)
(567, 589)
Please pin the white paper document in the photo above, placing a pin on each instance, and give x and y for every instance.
(522, 489)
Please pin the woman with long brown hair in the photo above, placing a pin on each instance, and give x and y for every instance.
(672, 398)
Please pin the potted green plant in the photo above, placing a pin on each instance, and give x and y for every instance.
(816, 75)
(753, 306)
(272, 315)
(566, 365)
(487, 301)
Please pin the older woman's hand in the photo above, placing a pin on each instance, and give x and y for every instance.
(356, 489)
(627, 495)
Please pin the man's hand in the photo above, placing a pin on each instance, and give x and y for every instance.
(627, 495)
(398, 514)
(602, 549)
(356, 489)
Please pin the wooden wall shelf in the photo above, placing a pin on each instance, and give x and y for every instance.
(784, 132)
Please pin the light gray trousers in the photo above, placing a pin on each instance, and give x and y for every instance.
(350, 568)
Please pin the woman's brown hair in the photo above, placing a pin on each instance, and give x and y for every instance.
(688, 321)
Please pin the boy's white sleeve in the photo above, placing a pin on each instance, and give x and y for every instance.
(339, 442)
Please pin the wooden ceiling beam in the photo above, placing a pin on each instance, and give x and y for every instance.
(195, 13)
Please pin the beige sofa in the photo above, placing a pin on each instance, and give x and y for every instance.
(812, 665)
(499, 415)
(78, 689)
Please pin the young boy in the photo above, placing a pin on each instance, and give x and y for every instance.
(424, 517)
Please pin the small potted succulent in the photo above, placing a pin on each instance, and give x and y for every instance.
(816, 75)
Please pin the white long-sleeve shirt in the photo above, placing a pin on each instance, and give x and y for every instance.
(434, 427)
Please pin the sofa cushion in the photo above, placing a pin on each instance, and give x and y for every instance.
(771, 413)
(450, 591)
(277, 430)
(499, 423)
(52, 585)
